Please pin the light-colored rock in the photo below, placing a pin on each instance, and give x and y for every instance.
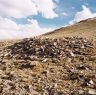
(92, 91)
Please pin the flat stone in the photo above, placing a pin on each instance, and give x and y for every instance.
(92, 91)
(45, 60)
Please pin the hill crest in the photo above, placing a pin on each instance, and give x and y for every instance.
(85, 28)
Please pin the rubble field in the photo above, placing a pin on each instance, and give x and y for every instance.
(36, 66)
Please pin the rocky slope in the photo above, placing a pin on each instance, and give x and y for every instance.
(64, 63)
(35, 66)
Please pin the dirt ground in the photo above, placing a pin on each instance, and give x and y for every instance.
(62, 62)
(48, 67)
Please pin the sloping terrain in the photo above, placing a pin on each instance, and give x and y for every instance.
(33, 66)
(86, 29)
(62, 64)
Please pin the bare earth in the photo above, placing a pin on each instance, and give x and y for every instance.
(62, 62)
(85, 29)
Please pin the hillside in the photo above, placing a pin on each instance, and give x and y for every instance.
(86, 29)
(61, 64)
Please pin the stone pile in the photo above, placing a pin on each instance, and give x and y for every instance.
(51, 48)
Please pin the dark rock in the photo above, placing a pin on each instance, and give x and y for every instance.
(1, 89)
(92, 58)
(73, 76)
(27, 65)
(81, 67)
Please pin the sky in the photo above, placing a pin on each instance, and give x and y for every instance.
(29, 18)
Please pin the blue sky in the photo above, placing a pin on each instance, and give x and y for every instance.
(28, 18)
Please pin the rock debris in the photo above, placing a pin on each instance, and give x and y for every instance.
(36, 66)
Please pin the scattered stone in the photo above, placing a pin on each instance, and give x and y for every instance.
(92, 58)
(92, 92)
(73, 76)
(91, 82)
(45, 60)
(1, 89)
(29, 49)
(69, 69)
(81, 92)
(27, 65)
(55, 60)
(81, 67)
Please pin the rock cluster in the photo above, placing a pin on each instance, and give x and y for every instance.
(51, 48)
(48, 67)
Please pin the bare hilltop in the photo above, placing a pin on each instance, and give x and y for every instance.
(85, 29)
